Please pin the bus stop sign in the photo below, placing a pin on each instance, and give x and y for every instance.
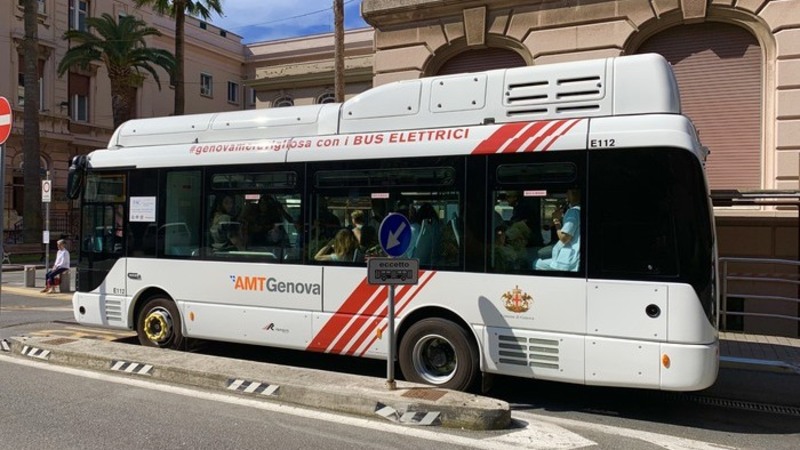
(395, 234)
(5, 120)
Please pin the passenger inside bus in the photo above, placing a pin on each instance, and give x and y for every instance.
(221, 213)
(357, 218)
(526, 209)
(235, 241)
(566, 251)
(341, 249)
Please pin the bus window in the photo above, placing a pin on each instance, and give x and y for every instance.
(252, 217)
(535, 218)
(434, 212)
(178, 235)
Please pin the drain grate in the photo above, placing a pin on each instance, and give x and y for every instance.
(740, 404)
(424, 394)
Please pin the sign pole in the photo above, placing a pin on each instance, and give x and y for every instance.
(394, 235)
(3, 212)
(390, 383)
(6, 121)
(46, 192)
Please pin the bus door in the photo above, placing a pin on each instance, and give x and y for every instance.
(102, 232)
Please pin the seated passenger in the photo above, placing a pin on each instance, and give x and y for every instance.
(341, 248)
(357, 219)
(235, 241)
(504, 256)
(221, 215)
(566, 252)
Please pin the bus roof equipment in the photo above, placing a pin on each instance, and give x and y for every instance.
(638, 84)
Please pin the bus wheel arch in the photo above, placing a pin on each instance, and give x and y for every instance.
(158, 321)
(435, 346)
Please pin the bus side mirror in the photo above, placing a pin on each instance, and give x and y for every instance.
(76, 176)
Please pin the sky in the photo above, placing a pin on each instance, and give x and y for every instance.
(266, 20)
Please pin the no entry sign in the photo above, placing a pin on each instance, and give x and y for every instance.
(5, 120)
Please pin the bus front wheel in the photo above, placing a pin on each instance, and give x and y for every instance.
(159, 324)
(439, 352)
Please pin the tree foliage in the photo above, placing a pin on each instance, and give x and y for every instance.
(121, 47)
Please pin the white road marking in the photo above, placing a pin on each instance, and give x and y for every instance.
(661, 440)
(538, 435)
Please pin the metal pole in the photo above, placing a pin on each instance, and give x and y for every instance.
(390, 383)
(3, 212)
(724, 295)
(47, 231)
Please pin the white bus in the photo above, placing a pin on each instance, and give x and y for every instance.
(560, 216)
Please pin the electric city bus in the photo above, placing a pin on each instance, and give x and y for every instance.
(559, 213)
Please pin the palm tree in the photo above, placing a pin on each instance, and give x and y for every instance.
(122, 48)
(178, 10)
(32, 197)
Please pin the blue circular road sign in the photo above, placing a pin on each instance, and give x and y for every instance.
(395, 234)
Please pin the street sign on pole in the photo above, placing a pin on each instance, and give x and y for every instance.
(395, 234)
(47, 191)
(390, 271)
(6, 120)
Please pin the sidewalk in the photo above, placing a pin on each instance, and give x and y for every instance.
(770, 353)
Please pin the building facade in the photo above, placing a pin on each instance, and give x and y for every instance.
(75, 110)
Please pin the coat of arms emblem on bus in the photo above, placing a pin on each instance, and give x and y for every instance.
(517, 301)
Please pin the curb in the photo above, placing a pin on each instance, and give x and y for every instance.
(34, 292)
(409, 404)
(733, 362)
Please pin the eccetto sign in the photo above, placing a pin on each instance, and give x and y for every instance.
(392, 271)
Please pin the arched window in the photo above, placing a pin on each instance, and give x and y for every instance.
(482, 59)
(327, 97)
(283, 101)
(719, 71)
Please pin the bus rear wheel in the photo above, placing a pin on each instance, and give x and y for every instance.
(440, 353)
(159, 324)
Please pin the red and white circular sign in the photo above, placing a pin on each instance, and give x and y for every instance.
(5, 120)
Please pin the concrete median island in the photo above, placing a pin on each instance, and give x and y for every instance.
(411, 404)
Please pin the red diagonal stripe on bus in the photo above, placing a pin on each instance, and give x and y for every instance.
(397, 312)
(376, 318)
(515, 144)
(549, 132)
(503, 134)
(360, 318)
(561, 133)
(332, 327)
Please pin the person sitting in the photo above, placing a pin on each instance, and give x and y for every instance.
(357, 219)
(341, 248)
(221, 216)
(566, 251)
(60, 266)
(235, 241)
(504, 256)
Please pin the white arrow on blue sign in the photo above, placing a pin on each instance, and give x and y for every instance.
(395, 234)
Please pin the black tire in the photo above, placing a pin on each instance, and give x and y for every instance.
(440, 353)
(159, 324)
